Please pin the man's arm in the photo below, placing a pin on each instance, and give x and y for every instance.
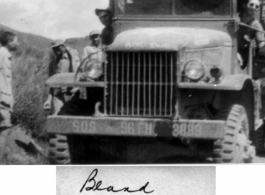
(259, 35)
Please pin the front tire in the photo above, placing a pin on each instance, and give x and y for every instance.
(235, 147)
(59, 149)
(260, 140)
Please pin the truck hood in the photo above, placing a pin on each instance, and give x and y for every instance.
(168, 39)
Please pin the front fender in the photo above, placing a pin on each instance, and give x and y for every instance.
(229, 82)
(70, 80)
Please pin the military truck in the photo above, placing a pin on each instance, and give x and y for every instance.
(171, 83)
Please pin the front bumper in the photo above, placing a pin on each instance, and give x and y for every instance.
(136, 127)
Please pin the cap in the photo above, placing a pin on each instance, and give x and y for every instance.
(94, 32)
(57, 43)
(100, 11)
(103, 6)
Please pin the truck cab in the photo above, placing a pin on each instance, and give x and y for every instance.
(171, 75)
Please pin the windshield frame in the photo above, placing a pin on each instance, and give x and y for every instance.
(174, 16)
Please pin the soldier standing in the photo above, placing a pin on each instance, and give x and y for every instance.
(65, 60)
(246, 34)
(248, 16)
(95, 45)
(9, 42)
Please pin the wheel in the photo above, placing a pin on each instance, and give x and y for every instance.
(235, 147)
(59, 149)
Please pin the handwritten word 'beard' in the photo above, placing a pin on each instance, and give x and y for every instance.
(96, 186)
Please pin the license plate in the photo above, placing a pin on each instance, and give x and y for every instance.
(136, 127)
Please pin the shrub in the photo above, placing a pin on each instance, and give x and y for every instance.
(29, 75)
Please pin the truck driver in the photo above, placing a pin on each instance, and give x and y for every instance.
(105, 17)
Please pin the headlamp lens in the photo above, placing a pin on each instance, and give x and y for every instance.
(194, 70)
(93, 69)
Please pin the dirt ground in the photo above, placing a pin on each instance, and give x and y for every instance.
(259, 159)
(22, 149)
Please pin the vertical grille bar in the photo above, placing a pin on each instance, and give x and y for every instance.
(150, 84)
(166, 83)
(138, 84)
(155, 83)
(122, 85)
(116, 85)
(133, 83)
(111, 83)
(160, 84)
(105, 88)
(128, 80)
(144, 82)
(171, 84)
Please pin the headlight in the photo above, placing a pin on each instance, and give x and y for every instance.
(93, 69)
(216, 73)
(194, 70)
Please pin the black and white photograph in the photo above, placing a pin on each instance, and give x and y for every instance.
(186, 180)
(132, 82)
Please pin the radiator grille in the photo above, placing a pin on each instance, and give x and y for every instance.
(141, 83)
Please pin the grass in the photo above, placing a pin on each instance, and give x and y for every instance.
(30, 70)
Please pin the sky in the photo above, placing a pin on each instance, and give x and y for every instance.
(55, 19)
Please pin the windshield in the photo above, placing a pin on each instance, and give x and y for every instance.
(201, 8)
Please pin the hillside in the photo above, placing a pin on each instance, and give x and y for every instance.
(30, 39)
(78, 43)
